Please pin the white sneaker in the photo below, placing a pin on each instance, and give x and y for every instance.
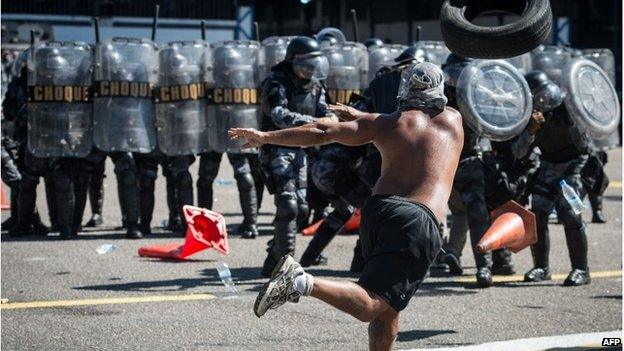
(280, 288)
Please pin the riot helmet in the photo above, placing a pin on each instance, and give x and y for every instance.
(453, 67)
(546, 94)
(307, 59)
(331, 35)
(409, 55)
(373, 41)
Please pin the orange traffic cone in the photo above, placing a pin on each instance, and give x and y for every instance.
(5, 204)
(513, 227)
(352, 224)
(205, 229)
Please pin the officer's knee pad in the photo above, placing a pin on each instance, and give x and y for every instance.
(286, 207)
(125, 164)
(147, 179)
(245, 182)
(28, 182)
(184, 180)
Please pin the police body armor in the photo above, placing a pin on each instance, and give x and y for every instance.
(180, 98)
(60, 110)
(382, 56)
(348, 70)
(234, 99)
(274, 52)
(126, 72)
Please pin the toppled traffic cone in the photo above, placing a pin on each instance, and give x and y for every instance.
(513, 227)
(5, 204)
(205, 229)
(352, 224)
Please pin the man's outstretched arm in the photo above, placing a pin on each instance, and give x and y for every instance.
(356, 132)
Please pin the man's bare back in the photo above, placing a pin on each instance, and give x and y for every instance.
(420, 155)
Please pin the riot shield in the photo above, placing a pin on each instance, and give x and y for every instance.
(494, 99)
(550, 59)
(60, 110)
(380, 56)
(180, 98)
(435, 51)
(234, 99)
(348, 69)
(590, 98)
(604, 58)
(123, 117)
(274, 52)
(522, 63)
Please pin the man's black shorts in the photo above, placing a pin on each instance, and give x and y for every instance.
(400, 240)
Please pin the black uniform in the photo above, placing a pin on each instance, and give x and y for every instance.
(287, 101)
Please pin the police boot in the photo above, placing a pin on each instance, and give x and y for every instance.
(596, 205)
(283, 244)
(65, 204)
(249, 205)
(324, 234)
(576, 239)
(96, 198)
(540, 251)
(577, 277)
(146, 209)
(27, 200)
(131, 210)
(51, 201)
(81, 190)
(501, 263)
(484, 277)
(451, 259)
(357, 263)
(270, 261)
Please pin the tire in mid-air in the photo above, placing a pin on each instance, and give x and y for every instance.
(470, 40)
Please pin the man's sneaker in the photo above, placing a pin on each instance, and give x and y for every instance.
(537, 274)
(577, 277)
(280, 289)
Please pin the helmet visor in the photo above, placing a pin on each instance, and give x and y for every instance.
(311, 67)
(547, 97)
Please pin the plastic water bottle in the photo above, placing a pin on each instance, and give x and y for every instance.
(226, 277)
(224, 182)
(572, 197)
(106, 248)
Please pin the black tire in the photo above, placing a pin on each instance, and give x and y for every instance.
(469, 40)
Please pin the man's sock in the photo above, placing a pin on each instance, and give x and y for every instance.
(304, 284)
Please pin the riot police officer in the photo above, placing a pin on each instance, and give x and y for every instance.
(31, 168)
(470, 183)
(292, 95)
(236, 73)
(564, 149)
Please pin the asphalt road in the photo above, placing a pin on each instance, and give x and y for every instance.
(62, 295)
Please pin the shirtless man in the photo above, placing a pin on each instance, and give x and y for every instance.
(420, 146)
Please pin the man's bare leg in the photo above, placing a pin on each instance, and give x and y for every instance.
(351, 298)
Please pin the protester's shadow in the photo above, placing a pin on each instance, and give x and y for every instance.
(411, 335)
(93, 234)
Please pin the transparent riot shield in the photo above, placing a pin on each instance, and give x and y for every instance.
(125, 75)
(348, 69)
(60, 105)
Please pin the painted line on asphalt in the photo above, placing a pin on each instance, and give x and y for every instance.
(615, 184)
(569, 342)
(105, 301)
(520, 278)
(194, 297)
